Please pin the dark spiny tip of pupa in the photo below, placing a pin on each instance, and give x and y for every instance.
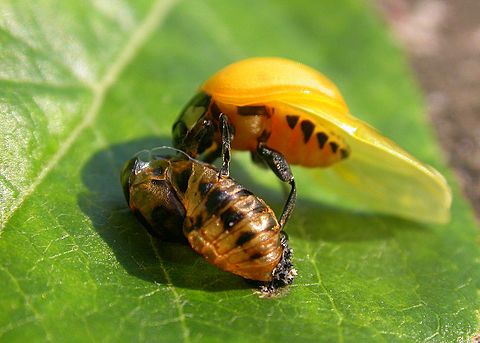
(283, 274)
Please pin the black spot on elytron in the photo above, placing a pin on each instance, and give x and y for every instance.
(334, 147)
(205, 187)
(181, 179)
(231, 217)
(214, 110)
(307, 129)
(256, 256)
(216, 200)
(292, 121)
(322, 138)
(265, 135)
(344, 153)
(244, 238)
(252, 111)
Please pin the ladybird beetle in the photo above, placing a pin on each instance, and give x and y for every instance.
(284, 113)
(175, 195)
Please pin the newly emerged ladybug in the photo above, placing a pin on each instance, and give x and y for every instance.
(176, 196)
(284, 113)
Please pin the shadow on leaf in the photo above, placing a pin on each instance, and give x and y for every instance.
(141, 255)
(175, 263)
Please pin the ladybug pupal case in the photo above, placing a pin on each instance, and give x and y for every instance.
(281, 106)
(175, 196)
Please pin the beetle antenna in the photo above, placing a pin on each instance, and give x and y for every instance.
(164, 147)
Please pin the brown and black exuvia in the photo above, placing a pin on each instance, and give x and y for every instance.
(175, 196)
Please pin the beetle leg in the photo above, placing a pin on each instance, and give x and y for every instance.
(279, 165)
(226, 142)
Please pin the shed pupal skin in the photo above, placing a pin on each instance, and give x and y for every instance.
(175, 196)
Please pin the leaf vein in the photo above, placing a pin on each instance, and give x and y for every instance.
(177, 297)
(28, 303)
(155, 17)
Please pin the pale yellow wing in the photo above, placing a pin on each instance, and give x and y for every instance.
(378, 175)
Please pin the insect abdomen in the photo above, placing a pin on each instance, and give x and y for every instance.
(232, 228)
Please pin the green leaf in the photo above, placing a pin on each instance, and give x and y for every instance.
(84, 85)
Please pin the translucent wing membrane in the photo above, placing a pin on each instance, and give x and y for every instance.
(379, 175)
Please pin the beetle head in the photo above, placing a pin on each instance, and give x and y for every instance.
(193, 131)
(146, 163)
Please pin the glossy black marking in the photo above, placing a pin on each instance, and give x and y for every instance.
(322, 138)
(201, 99)
(277, 163)
(181, 179)
(334, 147)
(215, 110)
(216, 200)
(344, 153)
(256, 256)
(252, 111)
(179, 131)
(307, 129)
(205, 187)
(264, 136)
(231, 217)
(244, 238)
(292, 121)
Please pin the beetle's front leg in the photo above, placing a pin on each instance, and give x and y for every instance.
(226, 145)
(277, 162)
